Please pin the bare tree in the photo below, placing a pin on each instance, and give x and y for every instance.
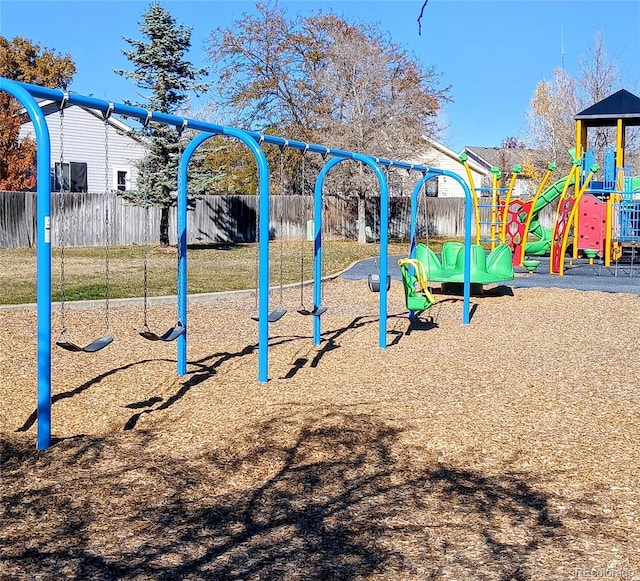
(320, 78)
(551, 124)
(555, 103)
(375, 100)
(599, 74)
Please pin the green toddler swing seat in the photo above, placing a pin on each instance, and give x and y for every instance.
(418, 297)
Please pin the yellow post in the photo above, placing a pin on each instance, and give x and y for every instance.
(574, 253)
(581, 139)
(474, 195)
(575, 170)
(507, 200)
(545, 178)
(620, 143)
(574, 174)
(565, 238)
(607, 231)
(581, 142)
(495, 202)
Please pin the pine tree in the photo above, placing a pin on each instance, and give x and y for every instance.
(160, 69)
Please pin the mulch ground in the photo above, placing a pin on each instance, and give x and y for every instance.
(505, 449)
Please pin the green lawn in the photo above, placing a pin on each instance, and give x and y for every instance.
(210, 269)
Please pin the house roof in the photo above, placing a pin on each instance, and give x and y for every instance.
(113, 121)
(505, 158)
(498, 157)
(473, 163)
(621, 105)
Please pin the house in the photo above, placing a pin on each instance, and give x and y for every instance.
(505, 159)
(439, 156)
(79, 142)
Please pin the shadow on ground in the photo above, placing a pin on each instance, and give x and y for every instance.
(310, 495)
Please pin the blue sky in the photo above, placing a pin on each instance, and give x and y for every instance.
(492, 52)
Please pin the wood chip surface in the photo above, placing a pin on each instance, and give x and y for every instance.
(505, 449)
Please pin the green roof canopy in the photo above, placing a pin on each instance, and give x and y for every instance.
(621, 105)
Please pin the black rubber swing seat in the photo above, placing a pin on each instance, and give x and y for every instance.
(317, 311)
(274, 316)
(375, 283)
(99, 343)
(170, 335)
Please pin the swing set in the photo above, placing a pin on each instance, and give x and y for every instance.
(27, 95)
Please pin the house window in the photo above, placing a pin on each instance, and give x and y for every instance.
(122, 179)
(70, 177)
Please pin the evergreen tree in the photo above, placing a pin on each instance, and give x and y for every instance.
(161, 71)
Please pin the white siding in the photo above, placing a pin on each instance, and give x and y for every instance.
(84, 142)
(447, 187)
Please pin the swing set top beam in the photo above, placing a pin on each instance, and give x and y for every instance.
(145, 116)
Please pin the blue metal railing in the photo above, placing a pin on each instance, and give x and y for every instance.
(626, 221)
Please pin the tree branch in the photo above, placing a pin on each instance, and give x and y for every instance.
(424, 5)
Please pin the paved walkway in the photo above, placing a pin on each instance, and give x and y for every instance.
(623, 278)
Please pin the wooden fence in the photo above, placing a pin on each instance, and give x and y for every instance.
(81, 219)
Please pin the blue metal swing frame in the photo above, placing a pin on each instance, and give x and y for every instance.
(27, 94)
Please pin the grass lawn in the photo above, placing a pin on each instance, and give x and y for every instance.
(210, 269)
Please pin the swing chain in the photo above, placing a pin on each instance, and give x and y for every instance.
(107, 225)
(426, 213)
(282, 222)
(62, 218)
(304, 206)
(144, 182)
(181, 130)
(257, 231)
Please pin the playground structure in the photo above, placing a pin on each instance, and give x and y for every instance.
(607, 214)
(27, 94)
(603, 215)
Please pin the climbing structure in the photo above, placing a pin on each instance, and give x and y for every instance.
(607, 214)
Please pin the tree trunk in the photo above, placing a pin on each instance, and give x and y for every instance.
(164, 227)
(362, 218)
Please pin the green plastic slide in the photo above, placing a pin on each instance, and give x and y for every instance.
(544, 235)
